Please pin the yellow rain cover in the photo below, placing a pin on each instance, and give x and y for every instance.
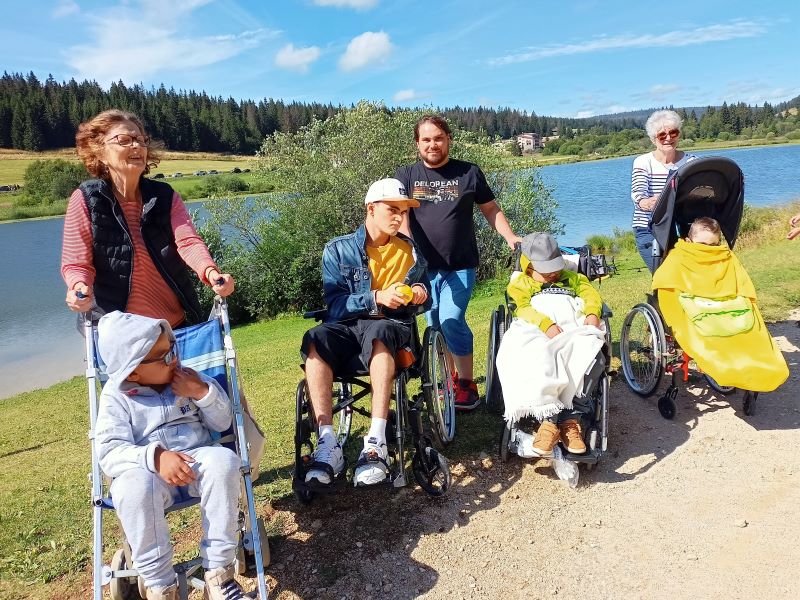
(749, 360)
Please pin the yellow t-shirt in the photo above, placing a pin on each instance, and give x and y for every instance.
(390, 263)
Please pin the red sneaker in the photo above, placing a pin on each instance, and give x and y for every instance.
(467, 397)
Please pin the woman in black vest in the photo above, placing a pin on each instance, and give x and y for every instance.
(129, 242)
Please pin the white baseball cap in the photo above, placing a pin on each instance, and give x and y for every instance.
(389, 190)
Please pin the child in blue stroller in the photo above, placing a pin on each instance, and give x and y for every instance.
(153, 435)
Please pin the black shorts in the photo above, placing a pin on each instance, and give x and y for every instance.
(346, 347)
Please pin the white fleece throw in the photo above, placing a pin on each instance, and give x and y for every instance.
(539, 375)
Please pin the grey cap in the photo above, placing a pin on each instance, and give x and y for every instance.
(543, 252)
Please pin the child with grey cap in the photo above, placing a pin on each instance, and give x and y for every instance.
(556, 314)
(153, 437)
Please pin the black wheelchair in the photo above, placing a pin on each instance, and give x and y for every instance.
(419, 425)
(707, 187)
(596, 380)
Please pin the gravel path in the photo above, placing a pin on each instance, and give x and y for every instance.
(704, 506)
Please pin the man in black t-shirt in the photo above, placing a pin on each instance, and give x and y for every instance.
(444, 231)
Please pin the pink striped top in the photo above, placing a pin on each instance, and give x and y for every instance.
(150, 295)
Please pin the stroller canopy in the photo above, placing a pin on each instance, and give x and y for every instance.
(705, 187)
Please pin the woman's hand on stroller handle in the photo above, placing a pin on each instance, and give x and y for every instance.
(223, 284)
(79, 298)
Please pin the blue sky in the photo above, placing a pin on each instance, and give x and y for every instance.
(565, 58)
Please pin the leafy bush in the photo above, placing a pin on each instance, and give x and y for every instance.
(324, 170)
(51, 180)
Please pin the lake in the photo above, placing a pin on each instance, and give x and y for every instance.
(41, 345)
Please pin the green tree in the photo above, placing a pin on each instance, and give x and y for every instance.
(52, 180)
(325, 169)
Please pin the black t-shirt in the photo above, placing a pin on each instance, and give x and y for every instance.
(442, 226)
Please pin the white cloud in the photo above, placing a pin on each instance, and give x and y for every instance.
(670, 39)
(64, 8)
(585, 114)
(156, 27)
(357, 4)
(404, 96)
(296, 59)
(368, 48)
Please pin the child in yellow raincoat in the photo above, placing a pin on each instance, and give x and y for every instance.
(709, 301)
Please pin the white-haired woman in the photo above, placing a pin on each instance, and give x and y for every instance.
(650, 173)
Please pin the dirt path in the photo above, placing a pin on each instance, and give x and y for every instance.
(704, 506)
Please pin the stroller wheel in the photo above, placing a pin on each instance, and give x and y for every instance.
(123, 588)
(666, 406)
(431, 471)
(749, 405)
(643, 348)
(247, 556)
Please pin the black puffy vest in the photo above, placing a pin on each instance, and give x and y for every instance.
(113, 248)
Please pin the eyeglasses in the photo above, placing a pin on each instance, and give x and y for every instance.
(167, 358)
(662, 135)
(125, 140)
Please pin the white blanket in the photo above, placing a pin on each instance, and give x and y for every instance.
(539, 375)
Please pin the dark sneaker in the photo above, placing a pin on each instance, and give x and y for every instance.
(467, 397)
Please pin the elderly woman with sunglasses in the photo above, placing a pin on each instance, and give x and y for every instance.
(650, 173)
(129, 242)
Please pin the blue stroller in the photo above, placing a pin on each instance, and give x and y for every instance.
(206, 348)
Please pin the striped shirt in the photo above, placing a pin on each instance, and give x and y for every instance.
(648, 179)
(150, 295)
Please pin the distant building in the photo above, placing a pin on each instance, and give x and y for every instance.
(529, 142)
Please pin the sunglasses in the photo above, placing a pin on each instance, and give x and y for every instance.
(125, 140)
(662, 135)
(167, 358)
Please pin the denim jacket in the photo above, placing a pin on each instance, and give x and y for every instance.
(346, 279)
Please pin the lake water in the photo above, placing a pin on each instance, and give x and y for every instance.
(40, 343)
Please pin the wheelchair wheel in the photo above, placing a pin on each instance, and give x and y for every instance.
(497, 328)
(345, 420)
(505, 440)
(303, 447)
(431, 471)
(642, 349)
(123, 588)
(725, 390)
(440, 395)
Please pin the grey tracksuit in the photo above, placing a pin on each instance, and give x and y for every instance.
(134, 420)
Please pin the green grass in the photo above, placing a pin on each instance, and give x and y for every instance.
(13, 165)
(45, 517)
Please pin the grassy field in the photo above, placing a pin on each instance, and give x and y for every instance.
(45, 517)
(14, 162)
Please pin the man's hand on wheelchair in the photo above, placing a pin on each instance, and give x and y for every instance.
(174, 467)
(592, 320)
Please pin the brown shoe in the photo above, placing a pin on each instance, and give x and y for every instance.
(546, 439)
(167, 593)
(571, 437)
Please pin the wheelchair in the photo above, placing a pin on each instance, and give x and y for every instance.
(597, 378)
(208, 349)
(712, 187)
(419, 426)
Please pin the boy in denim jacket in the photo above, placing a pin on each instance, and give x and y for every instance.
(370, 277)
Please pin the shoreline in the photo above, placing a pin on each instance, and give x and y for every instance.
(531, 161)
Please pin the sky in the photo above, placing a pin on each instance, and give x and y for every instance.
(557, 58)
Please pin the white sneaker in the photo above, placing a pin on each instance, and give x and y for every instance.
(328, 452)
(372, 466)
